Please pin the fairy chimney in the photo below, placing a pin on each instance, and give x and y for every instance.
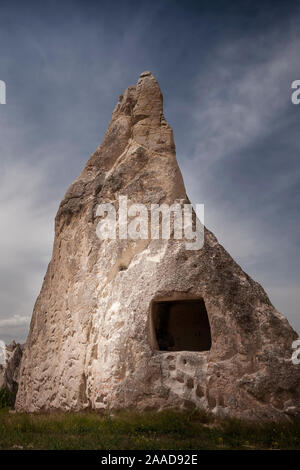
(148, 323)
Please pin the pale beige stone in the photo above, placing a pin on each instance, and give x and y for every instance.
(91, 343)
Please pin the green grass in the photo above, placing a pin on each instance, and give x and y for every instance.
(6, 398)
(129, 430)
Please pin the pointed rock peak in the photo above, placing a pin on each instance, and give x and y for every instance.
(147, 79)
(150, 127)
(138, 115)
(149, 97)
(138, 99)
(147, 73)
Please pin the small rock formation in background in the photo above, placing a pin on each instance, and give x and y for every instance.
(9, 372)
(148, 324)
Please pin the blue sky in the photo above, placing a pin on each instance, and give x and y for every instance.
(225, 72)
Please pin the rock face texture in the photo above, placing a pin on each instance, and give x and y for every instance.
(148, 324)
(9, 372)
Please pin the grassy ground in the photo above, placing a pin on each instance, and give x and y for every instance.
(128, 430)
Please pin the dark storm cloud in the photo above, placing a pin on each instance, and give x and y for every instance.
(225, 72)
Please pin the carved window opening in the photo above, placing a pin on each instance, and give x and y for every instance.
(180, 325)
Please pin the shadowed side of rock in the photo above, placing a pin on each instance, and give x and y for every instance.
(9, 372)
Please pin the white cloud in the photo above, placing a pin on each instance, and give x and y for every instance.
(26, 243)
(242, 100)
(15, 320)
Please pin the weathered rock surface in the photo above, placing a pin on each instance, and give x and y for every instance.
(91, 342)
(9, 372)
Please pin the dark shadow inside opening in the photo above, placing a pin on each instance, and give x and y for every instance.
(181, 325)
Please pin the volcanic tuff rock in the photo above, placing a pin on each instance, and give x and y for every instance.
(106, 328)
(9, 372)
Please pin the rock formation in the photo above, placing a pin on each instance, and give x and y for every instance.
(146, 323)
(9, 372)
